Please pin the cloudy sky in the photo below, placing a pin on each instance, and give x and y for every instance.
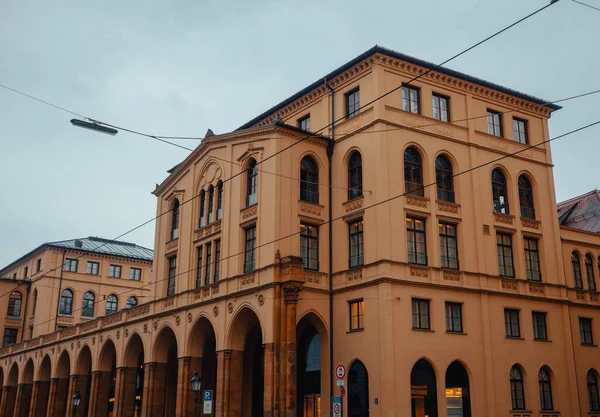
(181, 67)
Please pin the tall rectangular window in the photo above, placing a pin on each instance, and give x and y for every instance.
(540, 331)
(38, 264)
(309, 246)
(520, 130)
(352, 103)
(357, 313)
(415, 241)
(70, 265)
(26, 272)
(410, 99)
(420, 314)
(511, 322)
(199, 253)
(441, 108)
(454, 317)
(585, 331)
(505, 255)
(172, 275)
(10, 337)
(448, 245)
(304, 123)
(494, 122)
(208, 262)
(532, 260)
(250, 249)
(135, 274)
(356, 243)
(93, 268)
(217, 259)
(115, 271)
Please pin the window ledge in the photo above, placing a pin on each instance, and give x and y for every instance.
(64, 315)
(515, 337)
(457, 333)
(87, 317)
(423, 330)
(589, 345)
(542, 340)
(14, 317)
(356, 330)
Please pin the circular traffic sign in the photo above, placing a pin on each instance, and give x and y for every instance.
(342, 392)
(336, 408)
(340, 371)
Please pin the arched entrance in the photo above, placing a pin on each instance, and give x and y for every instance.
(458, 394)
(247, 366)
(131, 379)
(84, 381)
(10, 391)
(42, 388)
(104, 380)
(311, 348)
(358, 390)
(203, 359)
(164, 400)
(24, 392)
(423, 390)
(59, 387)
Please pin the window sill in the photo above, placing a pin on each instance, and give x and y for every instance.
(114, 277)
(356, 330)
(87, 318)
(423, 330)
(515, 337)
(542, 340)
(14, 317)
(589, 345)
(457, 333)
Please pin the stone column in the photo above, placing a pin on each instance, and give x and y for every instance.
(291, 292)
(23, 400)
(34, 399)
(222, 364)
(99, 396)
(125, 392)
(148, 393)
(183, 387)
(73, 384)
(234, 384)
(9, 396)
(270, 390)
(51, 410)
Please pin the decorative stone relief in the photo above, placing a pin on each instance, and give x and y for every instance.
(448, 207)
(532, 224)
(581, 295)
(416, 201)
(230, 307)
(248, 279)
(355, 274)
(216, 311)
(451, 276)
(503, 218)
(261, 300)
(509, 284)
(155, 326)
(126, 333)
(177, 320)
(419, 272)
(354, 205)
(536, 288)
(145, 328)
(138, 311)
(249, 212)
(172, 245)
(190, 317)
(308, 209)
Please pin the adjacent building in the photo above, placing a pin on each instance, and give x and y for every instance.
(416, 242)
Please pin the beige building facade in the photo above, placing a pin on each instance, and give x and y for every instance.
(420, 248)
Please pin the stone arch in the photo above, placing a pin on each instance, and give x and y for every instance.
(13, 375)
(458, 388)
(134, 347)
(10, 388)
(63, 365)
(44, 374)
(26, 387)
(358, 389)
(133, 374)
(165, 374)
(166, 335)
(83, 368)
(84, 361)
(242, 319)
(108, 355)
(198, 329)
(27, 377)
(207, 176)
(423, 382)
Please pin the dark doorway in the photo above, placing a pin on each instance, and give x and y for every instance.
(309, 373)
(458, 398)
(358, 390)
(423, 389)
(254, 371)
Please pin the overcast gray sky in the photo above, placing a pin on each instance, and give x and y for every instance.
(181, 67)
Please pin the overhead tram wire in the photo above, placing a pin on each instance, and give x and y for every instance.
(295, 143)
(586, 5)
(387, 200)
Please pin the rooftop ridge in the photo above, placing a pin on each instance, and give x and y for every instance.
(578, 197)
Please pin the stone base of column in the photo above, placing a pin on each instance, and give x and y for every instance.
(40, 398)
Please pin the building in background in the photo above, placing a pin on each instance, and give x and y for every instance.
(98, 277)
(417, 244)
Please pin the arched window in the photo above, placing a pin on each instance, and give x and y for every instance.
(545, 389)
(526, 198)
(211, 204)
(175, 220)
(111, 304)
(252, 183)
(593, 393)
(517, 391)
(355, 185)
(576, 270)
(309, 180)
(34, 301)
(14, 304)
(443, 178)
(202, 208)
(358, 390)
(413, 172)
(499, 192)
(220, 200)
(66, 302)
(589, 272)
(87, 309)
(132, 302)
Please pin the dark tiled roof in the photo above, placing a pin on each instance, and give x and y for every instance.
(403, 57)
(94, 245)
(581, 212)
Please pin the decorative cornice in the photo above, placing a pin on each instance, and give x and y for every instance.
(354, 205)
(503, 218)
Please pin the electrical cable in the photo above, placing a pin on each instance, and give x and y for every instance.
(586, 5)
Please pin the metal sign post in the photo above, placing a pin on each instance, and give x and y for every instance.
(208, 398)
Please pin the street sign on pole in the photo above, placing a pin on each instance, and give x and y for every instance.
(342, 392)
(340, 371)
(208, 397)
(340, 383)
(337, 406)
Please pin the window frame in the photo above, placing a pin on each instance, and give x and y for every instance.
(38, 266)
(15, 302)
(175, 211)
(220, 200)
(217, 269)
(451, 317)
(517, 388)
(250, 251)
(439, 98)
(202, 216)
(510, 324)
(500, 189)
(130, 304)
(418, 257)
(444, 180)
(171, 275)
(304, 123)
(576, 269)
(502, 254)
(113, 269)
(445, 258)
(199, 265)
(309, 180)
(136, 273)
(66, 302)
(586, 328)
(408, 103)
(13, 335)
(418, 316)
(540, 328)
(211, 204)
(532, 257)
(360, 313)
(496, 128)
(526, 201)
(352, 109)
(207, 262)
(69, 263)
(88, 303)
(517, 133)
(589, 272)
(252, 182)
(113, 301)
(355, 178)
(545, 389)
(413, 172)
(593, 390)
(306, 238)
(358, 236)
(89, 268)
